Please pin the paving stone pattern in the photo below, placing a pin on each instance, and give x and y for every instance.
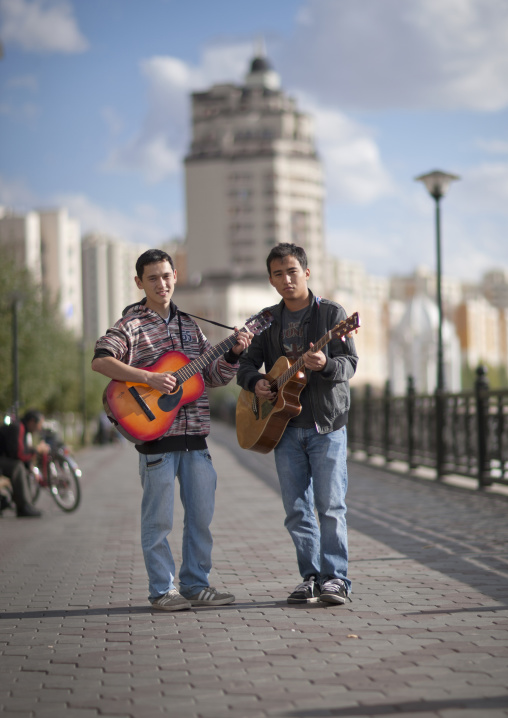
(426, 634)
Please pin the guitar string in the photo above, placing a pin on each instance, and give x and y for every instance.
(194, 366)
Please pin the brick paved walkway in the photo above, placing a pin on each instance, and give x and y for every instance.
(426, 634)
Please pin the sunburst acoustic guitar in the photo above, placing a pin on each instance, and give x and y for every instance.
(260, 423)
(141, 413)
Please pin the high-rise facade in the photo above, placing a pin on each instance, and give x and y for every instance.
(253, 179)
(61, 264)
(48, 243)
(20, 239)
(108, 281)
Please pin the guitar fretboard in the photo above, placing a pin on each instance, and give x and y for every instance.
(340, 330)
(185, 372)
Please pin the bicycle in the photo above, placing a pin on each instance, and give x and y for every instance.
(58, 472)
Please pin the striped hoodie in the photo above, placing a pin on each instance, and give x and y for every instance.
(140, 338)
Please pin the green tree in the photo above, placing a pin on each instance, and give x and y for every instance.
(496, 376)
(53, 365)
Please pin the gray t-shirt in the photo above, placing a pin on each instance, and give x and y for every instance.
(293, 341)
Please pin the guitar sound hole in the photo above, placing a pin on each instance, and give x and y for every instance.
(167, 402)
(267, 408)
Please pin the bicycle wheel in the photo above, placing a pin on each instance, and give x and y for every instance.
(34, 487)
(64, 485)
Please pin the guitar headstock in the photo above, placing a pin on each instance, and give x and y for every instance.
(259, 322)
(347, 326)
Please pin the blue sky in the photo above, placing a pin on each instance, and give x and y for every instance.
(94, 114)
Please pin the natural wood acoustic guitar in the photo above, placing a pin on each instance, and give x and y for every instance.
(260, 423)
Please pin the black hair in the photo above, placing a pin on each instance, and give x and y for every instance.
(32, 415)
(285, 249)
(152, 256)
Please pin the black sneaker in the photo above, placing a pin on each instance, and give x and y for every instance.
(28, 511)
(334, 591)
(306, 592)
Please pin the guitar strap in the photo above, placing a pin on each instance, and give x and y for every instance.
(225, 326)
(217, 324)
(179, 311)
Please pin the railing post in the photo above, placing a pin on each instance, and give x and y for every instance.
(440, 448)
(386, 412)
(481, 387)
(367, 418)
(410, 416)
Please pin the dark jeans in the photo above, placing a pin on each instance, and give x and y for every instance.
(16, 471)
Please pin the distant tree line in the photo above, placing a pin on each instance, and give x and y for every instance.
(53, 364)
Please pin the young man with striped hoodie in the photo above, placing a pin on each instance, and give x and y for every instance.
(147, 331)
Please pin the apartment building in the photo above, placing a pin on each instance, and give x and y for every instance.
(48, 244)
(61, 264)
(108, 281)
(20, 239)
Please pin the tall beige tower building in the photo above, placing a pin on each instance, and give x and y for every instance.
(253, 179)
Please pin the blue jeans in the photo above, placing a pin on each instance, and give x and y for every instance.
(198, 481)
(312, 472)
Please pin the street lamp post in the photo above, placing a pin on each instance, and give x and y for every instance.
(437, 184)
(82, 348)
(16, 298)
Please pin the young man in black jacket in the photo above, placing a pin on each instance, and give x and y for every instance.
(311, 454)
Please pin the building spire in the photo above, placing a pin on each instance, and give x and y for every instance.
(260, 47)
(261, 73)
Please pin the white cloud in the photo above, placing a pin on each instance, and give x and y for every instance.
(484, 190)
(353, 166)
(151, 155)
(41, 26)
(400, 233)
(144, 225)
(444, 54)
(493, 146)
(157, 149)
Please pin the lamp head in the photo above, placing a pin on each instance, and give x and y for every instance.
(437, 182)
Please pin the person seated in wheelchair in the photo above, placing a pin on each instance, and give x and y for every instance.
(16, 456)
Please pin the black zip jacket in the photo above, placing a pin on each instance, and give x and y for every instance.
(329, 388)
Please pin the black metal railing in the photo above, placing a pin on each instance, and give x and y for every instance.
(464, 433)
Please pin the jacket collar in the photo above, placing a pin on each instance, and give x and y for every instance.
(140, 306)
(277, 309)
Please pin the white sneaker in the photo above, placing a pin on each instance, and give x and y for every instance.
(171, 601)
(211, 597)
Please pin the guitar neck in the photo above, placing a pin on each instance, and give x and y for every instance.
(185, 372)
(299, 363)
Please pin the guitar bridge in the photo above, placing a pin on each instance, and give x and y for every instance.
(142, 403)
(255, 406)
